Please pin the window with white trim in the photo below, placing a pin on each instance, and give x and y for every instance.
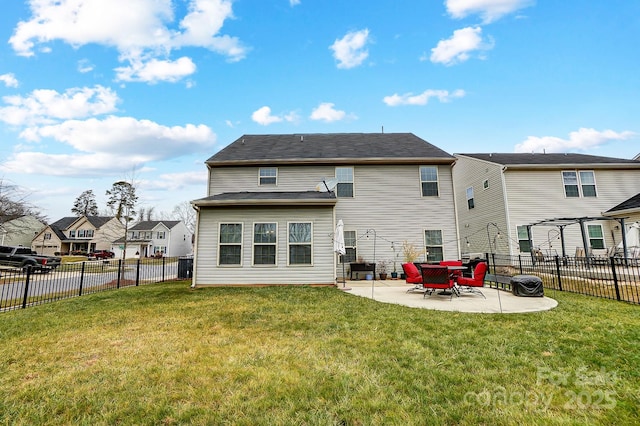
(579, 183)
(344, 188)
(47, 235)
(300, 243)
(230, 244)
(433, 245)
(350, 247)
(429, 181)
(268, 176)
(596, 236)
(72, 233)
(470, 202)
(160, 235)
(159, 249)
(264, 243)
(523, 239)
(485, 184)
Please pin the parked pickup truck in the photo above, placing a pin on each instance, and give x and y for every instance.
(24, 257)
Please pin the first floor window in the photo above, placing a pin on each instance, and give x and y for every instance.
(523, 239)
(429, 181)
(345, 182)
(350, 247)
(470, 202)
(433, 245)
(159, 249)
(300, 243)
(230, 244)
(264, 243)
(596, 237)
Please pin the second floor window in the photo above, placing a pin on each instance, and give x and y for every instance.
(345, 182)
(429, 181)
(160, 235)
(47, 235)
(72, 233)
(85, 233)
(470, 202)
(579, 184)
(268, 176)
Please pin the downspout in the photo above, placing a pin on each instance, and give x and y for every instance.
(455, 211)
(507, 218)
(195, 247)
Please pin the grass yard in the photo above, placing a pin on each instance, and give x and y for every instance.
(167, 354)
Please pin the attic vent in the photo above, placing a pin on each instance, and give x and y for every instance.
(301, 138)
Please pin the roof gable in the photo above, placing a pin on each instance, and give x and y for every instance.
(631, 203)
(298, 148)
(148, 225)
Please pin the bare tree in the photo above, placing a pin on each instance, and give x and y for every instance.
(85, 204)
(122, 201)
(14, 203)
(186, 213)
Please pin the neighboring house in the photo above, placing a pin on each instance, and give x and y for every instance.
(20, 231)
(503, 193)
(78, 234)
(264, 222)
(155, 238)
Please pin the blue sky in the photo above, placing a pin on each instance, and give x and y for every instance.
(92, 92)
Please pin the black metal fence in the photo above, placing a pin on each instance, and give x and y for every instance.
(610, 278)
(20, 289)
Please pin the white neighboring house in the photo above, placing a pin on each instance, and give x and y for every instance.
(77, 234)
(20, 231)
(264, 223)
(506, 192)
(149, 238)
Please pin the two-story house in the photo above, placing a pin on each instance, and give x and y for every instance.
(155, 238)
(78, 234)
(268, 217)
(565, 197)
(19, 231)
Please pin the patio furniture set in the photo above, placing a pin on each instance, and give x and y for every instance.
(446, 276)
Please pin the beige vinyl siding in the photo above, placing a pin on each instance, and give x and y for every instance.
(388, 202)
(290, 178)
(207, 271)
(489, 204)
(535, 195)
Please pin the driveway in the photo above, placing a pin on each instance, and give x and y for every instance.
(497, 301)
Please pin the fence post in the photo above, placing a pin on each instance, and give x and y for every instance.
(558, 272)
(163, 266)
(615, 277)
(119, 273)
(138, 272)
(26, 287)
(81, 278)
(520, 263)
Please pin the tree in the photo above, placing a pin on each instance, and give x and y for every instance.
(122, 202)
(85, 204)
(186, 213)
(14, 203)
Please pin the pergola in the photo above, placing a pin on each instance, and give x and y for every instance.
(563, 222)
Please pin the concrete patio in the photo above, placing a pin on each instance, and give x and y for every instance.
(497, 301)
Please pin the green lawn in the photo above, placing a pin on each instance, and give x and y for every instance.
(167, 354)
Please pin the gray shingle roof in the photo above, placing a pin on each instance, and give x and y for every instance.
(631, 203)
(266, 198)
(148, 225)
(547, 159)
(274, 149)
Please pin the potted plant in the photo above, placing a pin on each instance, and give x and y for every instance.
(410, 253)
(394, 274)
(382, 268)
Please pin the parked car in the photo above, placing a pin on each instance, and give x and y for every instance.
(102, 254)
(25, 258)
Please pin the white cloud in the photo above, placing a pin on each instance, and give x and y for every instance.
(46, 106)
(108, 146)
(581, 140)
(350, 50)
(263, 116)
(85, 66)
(458, 47)
(146, 32)
(9, 80)
(326, 112)
(294, 2)
(156, 70)
(489, 10)
(422, 98)
(177, 181)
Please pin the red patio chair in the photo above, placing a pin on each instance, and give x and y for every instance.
(473, 284)
(456, 273)
(412, 276)
(435, 277)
